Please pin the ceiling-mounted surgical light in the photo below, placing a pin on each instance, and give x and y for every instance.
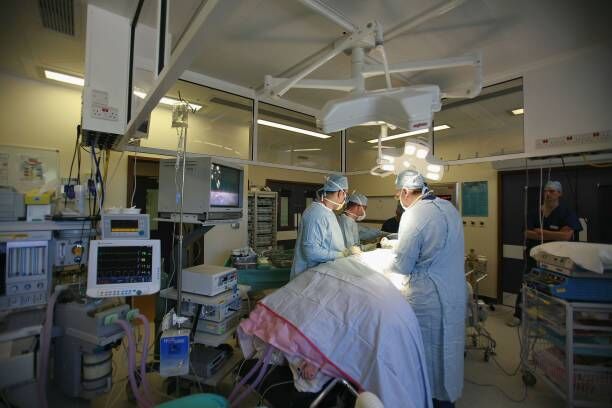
(417, 156)
(422, 153)
(292, 129)
(408, 134)
(434, 168)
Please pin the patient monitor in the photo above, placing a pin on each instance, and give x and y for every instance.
(123, 267)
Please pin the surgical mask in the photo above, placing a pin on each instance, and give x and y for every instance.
(361, 217)
(407, 207)
(339, 206)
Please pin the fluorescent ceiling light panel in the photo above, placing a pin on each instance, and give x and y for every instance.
(68, 79)
(303, 150)
(168, 101)
(411, 133)
(518, 111)
(292, 129)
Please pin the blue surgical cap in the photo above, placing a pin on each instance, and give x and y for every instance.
(554, 185)
(358, 198)
(335, 182)
(410, 179)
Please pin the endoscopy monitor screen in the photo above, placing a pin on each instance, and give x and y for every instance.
(124, 264)
(224, 186)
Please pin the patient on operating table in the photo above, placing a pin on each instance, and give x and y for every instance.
(342, 319)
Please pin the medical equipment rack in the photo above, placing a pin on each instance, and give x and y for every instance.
(568, 345)
(477, 336)
(262, 218)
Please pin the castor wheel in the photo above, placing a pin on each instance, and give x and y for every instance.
(529, 379)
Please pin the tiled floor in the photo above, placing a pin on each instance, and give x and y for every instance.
(498, 392)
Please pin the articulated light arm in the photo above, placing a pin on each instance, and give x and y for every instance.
(362, 37)
(333, 84)
(474, 60)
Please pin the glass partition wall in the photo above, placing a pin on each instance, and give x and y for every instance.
(229, 125)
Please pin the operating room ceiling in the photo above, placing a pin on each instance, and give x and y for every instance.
(248, 39)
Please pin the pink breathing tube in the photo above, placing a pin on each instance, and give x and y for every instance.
(236, 398)
(143, 400)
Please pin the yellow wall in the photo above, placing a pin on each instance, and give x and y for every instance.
(39, 114)
(483, 239)
(43, 114)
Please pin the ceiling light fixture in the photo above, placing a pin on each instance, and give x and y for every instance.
(518, 111)
(302, 150)
(68, 79)
(292, 129)
(412, 133)
(169, 101)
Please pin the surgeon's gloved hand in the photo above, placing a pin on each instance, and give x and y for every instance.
(368, 247)
(387, 243)
(355, 250)
(345, 252)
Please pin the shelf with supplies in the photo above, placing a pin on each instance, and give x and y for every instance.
(569, 347)
(262, 220)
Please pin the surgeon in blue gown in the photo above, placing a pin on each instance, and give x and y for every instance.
(355, 211)
(430, 252)
(319, 237)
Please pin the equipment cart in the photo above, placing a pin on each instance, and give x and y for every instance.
(568, 345)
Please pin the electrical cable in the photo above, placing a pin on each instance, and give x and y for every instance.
(45, 346)
(518, 401)
(263, 395)
(112, 177)
(134, 189)
(541, 210)
(142, 399)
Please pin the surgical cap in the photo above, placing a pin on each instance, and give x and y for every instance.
(335, 182)
(554, 185)
(409, 179)
(358, 198)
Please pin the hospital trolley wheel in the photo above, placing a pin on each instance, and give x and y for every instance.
(529, 379)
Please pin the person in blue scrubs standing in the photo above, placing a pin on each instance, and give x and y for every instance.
(319, 237)
(355, 212)
(559, 223)
(430, 252)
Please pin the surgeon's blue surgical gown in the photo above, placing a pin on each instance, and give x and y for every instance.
(430, 251)
(350, 230)
(319, 239)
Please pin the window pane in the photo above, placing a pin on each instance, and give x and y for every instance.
(180, 14)
(221, 126)
(284, 211)
(289, 147)
(484, 126)
(145, 41)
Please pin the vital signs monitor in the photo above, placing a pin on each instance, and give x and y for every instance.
(123, 267)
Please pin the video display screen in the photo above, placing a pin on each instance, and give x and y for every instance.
(125, 264)
(224, 186)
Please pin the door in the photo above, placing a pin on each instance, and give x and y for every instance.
(586, 189)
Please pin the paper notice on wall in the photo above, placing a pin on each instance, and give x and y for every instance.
(4, 169)
(28, 168)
